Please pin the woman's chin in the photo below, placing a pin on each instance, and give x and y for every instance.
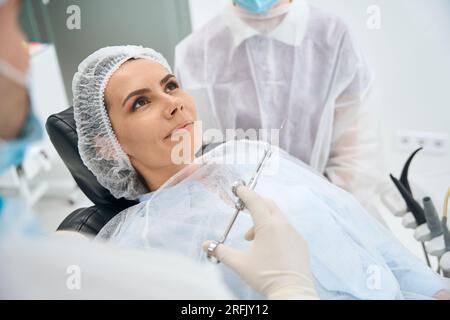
(179, 153)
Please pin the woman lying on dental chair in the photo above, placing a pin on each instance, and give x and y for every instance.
(129, 111)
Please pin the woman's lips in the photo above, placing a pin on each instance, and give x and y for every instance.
(184, 126)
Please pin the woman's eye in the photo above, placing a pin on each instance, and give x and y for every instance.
(171, 86)
(140, 103)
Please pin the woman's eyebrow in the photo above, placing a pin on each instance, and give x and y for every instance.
(166, 78)
(135, 93)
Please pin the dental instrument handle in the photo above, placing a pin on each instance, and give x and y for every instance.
(251, 185)
(230, 225)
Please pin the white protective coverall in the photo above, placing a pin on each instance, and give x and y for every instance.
(297, 63)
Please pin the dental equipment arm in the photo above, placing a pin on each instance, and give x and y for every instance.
(277, 263)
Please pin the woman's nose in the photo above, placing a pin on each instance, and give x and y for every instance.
(174, 105)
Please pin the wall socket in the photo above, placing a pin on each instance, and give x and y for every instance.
(432, 142)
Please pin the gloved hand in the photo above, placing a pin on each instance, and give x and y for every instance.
(277, 263)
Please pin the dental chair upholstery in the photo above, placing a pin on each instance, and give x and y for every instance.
(89, 221)
(63, 135)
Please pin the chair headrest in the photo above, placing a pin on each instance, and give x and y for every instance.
(61, 129)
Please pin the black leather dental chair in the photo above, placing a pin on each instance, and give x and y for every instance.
(89, 221)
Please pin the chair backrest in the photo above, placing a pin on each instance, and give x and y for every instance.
(62, 132)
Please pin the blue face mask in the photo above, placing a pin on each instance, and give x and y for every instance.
(256, 6)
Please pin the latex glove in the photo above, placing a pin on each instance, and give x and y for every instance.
(277, 263)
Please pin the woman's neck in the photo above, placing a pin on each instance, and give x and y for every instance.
(156, 178)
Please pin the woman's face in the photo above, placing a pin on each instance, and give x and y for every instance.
(148, 110)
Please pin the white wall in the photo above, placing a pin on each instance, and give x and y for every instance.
(203, 10)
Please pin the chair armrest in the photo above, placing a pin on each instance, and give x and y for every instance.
(88, 221)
